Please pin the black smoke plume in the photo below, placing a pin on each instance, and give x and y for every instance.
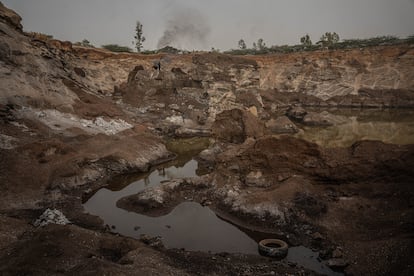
(186, 28)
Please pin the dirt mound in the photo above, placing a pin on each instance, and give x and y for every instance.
(69, 249)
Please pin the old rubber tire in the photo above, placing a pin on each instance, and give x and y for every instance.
(273, 248)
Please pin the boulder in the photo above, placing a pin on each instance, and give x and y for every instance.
(296, 113)
(209, 154)
(256, 179)
(235, 125)
(81, 73)
(281, 125)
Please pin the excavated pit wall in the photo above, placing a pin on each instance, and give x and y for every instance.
(372, 77)
(323, 74)
(42, 75)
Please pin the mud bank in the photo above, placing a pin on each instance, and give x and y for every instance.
(294, 189)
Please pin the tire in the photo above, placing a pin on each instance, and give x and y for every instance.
(273, 248)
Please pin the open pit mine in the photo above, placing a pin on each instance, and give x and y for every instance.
(213, 164)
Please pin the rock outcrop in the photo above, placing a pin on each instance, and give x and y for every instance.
(235, 126)
(327, 74)
(10, 17)
(201, 86)
(57, 123)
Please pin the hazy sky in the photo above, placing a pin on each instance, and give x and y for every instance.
(217, 23)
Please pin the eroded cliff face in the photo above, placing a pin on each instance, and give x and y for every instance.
(376, 76)
(57, 125)
(372, 77)
(326, 74)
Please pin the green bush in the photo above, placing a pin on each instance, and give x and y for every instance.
(84, 43)
(149, 52)
(116, 48)
(410, 39)
(168, 50)
(368, 42)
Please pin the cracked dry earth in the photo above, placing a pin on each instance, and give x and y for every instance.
(302, 146)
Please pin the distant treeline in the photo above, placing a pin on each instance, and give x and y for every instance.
(344, 44)
(327, 41)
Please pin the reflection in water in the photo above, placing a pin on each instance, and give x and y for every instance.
(309, 259)
(189, 225)
(389, 126)
(180, 163)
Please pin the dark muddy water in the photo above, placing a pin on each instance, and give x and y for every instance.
(189, 225)
(395, 126)
(197, 228)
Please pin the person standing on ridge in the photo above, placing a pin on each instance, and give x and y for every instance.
(157, 65)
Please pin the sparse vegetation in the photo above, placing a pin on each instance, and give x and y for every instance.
(242, 44)
(328, 41)
(139, 36)
(168, 49)
(410, 39)
(116, 48)
(306, 41)
(85, 43)
(374, 41)
(149, 52)
(214, 50)
(261, 45)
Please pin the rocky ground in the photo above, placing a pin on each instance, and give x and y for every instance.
(72, 118)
